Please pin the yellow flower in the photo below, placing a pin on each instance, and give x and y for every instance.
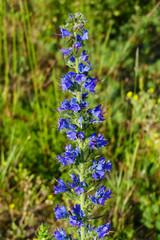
(151, 90)
(158, 100)
(154, 100)
(129, 94)
(72, 190)
(50, 196)
(135, 97)
(12, 205)
(116, 13)
(35, 238)
(25, 213)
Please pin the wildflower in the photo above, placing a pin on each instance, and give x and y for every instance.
(80, 78)
(66, 124)
(76, 219)
(72, 105)
(72, 59)
(72, 135)
(103, 230)
(97, 141)
(50, 196)
(66, 83)
(151, 90)
(84, 68)
(158, 100)
(100, 168)
(129, 94)
(70, 15)
(97, 111)
(60, 212)
(77, 45)
(100, 196)
(12, 205)
(65, 51)
(62, 187)
(77, 185)
(25, 213)
(84, 56)
(69, 156)
(61, 235)
(135, 97)
(77, 120)
(65, 32)
(90, 84)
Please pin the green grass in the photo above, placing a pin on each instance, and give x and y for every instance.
(124, 48)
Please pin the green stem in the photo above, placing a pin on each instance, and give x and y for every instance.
(82, 166)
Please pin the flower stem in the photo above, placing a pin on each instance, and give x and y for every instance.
(82, 166)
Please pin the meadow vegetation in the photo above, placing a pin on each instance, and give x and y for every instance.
(124, 43)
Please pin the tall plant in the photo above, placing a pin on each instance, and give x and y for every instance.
(83, 157)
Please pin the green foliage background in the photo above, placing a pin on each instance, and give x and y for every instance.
(125, 50)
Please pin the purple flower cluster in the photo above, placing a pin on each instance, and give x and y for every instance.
(77, 216)
(101, 195)
(100, 168)
(60, 212)
(77, 185)
(97, 142)
(72, 105)
(77, 120)
(71, 80)
(69, 156)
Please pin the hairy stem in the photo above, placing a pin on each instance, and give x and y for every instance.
(82, 166)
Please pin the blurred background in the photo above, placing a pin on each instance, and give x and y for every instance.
(124, 47)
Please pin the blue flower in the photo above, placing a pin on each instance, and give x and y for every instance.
(84, 56)
(97, 141)
(66, 83)
(72, 74)
(80, 78)
(72, 59)
(65, 51)
(85, 34)
(84, 68)
(74, 105)
(65, 32)
(70, 15)
(77, 45)
(84, 95)
(64, 105)
(84, 104)
(64, 123)
(61, 235)
(60, 212)
(90, 84)
(103, 230)
(77, 185)
(72, 135)
(77, 211)
(66, 160)
(69, 156)
(76, 219)
(80, 135)
(100, 196)
(101, 168)
(97, 111)
(62, 187)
